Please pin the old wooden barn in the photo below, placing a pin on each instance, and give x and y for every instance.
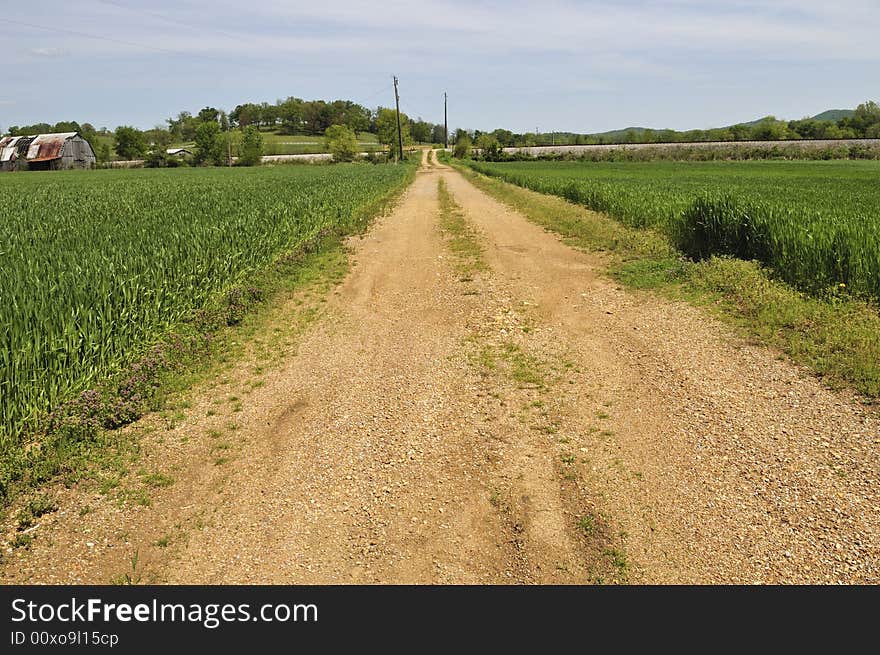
(45, 152)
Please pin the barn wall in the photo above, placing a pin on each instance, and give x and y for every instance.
(77, 153)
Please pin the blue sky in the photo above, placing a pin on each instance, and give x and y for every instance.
(584, 66)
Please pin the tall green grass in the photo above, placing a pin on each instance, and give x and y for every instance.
(93, 265)
(816, 224)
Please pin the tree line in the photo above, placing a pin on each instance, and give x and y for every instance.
(216, 133)
(864, 123)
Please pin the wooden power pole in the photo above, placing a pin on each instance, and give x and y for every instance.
(228, 143)
(445, 124)
(397, 105)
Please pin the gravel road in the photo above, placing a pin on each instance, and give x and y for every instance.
(528, 423)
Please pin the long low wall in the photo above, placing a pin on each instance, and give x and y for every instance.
(280, 159)
(266, 159)
(536, 151)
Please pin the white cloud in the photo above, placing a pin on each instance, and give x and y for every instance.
(47, 52)
(590, 63)
(788, 29)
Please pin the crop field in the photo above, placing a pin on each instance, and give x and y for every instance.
(95, 264)
(282, 144)
(816, 224)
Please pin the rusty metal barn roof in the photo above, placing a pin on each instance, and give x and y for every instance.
(41, 147)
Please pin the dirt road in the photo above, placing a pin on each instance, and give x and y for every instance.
(527, 422)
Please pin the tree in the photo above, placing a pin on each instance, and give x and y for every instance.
(317, 116)
(209, 144)
(66, 126)
(103, 153)
(489, 147)
(350, 114)
(770, 129)
(865, 117)
(291, 113)
(251, 146)
(209, 114)
(341, 141)
(130, 142)
(386, 128)
(504, 137)
(420, 130)
(159, 137)
(462, 148)
(27, 130)
(156, 158)
(269, 114)
(183, 128)
(89, 133)
(806, 128)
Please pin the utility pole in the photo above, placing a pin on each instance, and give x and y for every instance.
(445, 124)
(397, 105)
(228, 143)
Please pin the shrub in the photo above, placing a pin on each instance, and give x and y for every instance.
(489, 146)
(251, 152)
(341, 142)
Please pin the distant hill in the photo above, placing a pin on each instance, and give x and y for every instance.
(615, 135)
(757, 121)
(833, 115)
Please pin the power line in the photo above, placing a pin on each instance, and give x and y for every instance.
(368, 98)
(415, 114)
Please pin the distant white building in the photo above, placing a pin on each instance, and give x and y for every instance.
(178, 152)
